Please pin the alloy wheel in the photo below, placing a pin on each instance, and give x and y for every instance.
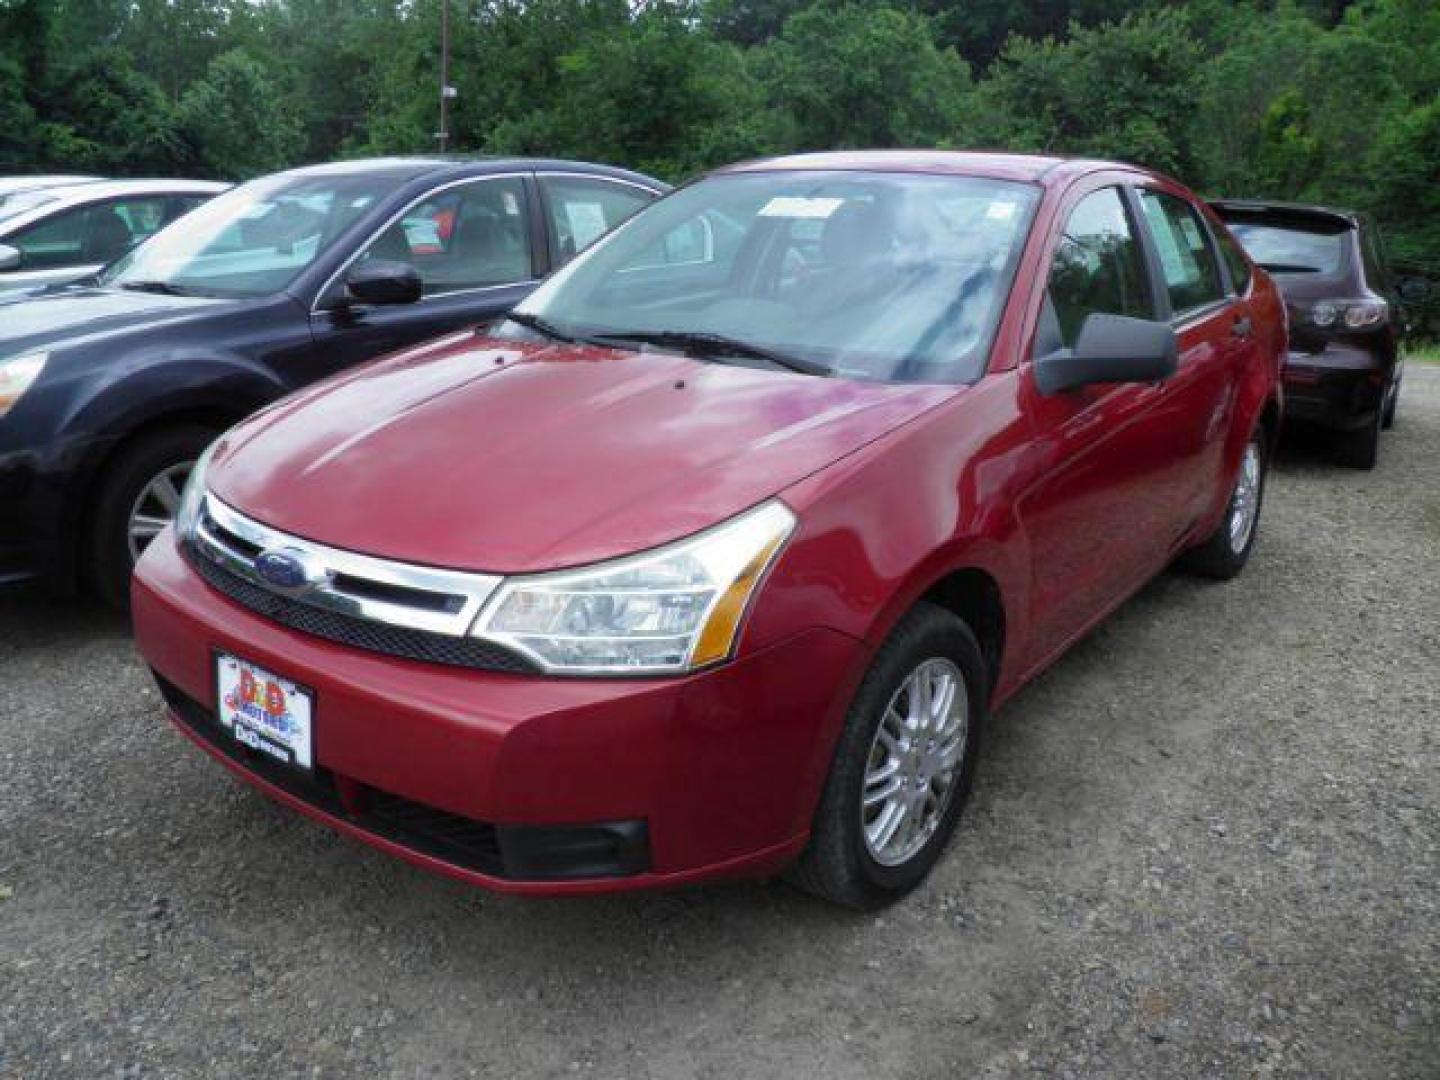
(914, 763)
(155, 506)
(1245, 502)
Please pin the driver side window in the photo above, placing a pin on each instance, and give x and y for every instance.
(465, 237)
(1098, 267)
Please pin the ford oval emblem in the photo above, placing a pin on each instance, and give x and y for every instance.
(287, 570)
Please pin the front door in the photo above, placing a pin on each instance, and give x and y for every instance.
(472, 245)
(1099, 513)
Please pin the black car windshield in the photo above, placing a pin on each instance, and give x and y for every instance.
(897, 277)
(1290, 250)
(254, 240)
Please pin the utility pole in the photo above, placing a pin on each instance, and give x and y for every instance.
(446, 90)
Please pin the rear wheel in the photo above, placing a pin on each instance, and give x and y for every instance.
(138, 497)
(1360, 449)
(1392, 401)
(1224, 552)
(903, 767)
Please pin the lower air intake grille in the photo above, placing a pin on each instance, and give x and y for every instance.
(461, 841)
(364, 634)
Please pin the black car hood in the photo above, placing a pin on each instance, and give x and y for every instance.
(65, 315)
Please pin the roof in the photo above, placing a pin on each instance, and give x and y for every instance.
(476, 165)
(1031, 168)
(109, 189)
(11, 184)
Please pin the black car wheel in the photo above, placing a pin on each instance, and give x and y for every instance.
(138, 497)
(1360, 449)
(1392, 401)
(903, 767)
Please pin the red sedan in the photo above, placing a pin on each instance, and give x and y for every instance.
(712, 560)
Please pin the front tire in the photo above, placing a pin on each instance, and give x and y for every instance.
(137, 498)
(903, 767)
(1224, 553)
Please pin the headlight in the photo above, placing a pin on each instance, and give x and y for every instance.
(670, 610)
(192, 499)
(1324, 313)
(16, 375)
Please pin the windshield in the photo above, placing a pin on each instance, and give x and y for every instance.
(254, 240)
(1290, 250)
(885, 276)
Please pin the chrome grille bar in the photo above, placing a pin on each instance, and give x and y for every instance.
(362, 586)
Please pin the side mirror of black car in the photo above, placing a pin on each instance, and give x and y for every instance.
(381, 281)
(1414, 290)
(1110, 349)
(10, 258)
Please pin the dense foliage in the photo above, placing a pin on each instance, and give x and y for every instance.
(1324, 100)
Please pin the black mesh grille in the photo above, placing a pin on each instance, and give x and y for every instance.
(362, 633)
(461, 841)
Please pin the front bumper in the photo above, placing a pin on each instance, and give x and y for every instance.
(673, 780)
(1342, 386)
(29, 521)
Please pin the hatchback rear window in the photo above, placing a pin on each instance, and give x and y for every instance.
(1287, 249)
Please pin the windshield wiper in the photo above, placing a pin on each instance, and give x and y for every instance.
(1289, 268)
(704, 343)
(541, 326)
(164, 288)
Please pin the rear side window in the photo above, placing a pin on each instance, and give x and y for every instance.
(1235, 260)
(1098, 266)
(1188, 262)
(583, 210)
(90, 235)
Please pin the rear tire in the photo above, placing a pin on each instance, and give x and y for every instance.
(133, 495)
(1360, 449)
(850, 860)
(1392, 402)
(1224, 553)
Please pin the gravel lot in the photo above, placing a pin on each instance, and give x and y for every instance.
(1206, 843)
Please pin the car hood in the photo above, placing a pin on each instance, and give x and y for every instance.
(51, 317)
(505, 457)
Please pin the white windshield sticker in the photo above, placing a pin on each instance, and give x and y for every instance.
(795, 206)
(1000, 210)
(512, 205)
(587, 222)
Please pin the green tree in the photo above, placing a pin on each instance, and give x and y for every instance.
(1122, 91)
(236, 122)
(858, 76)
(104, 116)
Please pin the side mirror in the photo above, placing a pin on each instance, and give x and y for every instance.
(1110, 349)
(1413, 290)
(10, 258)
(381, 281)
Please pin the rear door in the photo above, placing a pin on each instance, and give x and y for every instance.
(580, 209)
(477, 249)
(1215, 328)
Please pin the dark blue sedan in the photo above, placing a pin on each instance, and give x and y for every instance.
(110, 390)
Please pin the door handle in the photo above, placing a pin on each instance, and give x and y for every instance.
(1241, 327)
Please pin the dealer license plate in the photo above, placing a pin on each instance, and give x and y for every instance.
(269, 714)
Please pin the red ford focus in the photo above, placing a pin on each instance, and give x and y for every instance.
(713, 558)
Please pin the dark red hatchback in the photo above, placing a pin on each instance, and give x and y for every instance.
(712, 559)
